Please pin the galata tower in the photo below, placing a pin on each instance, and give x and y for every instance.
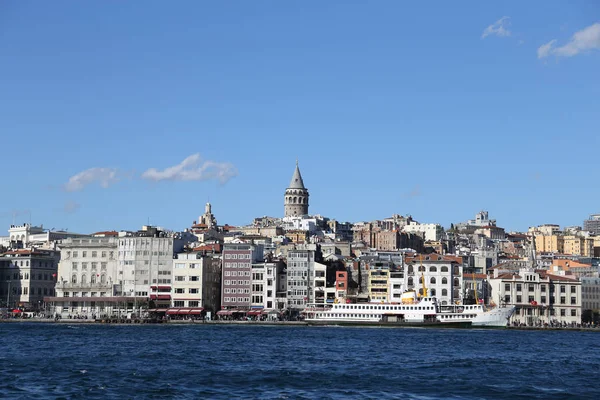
(296, 196)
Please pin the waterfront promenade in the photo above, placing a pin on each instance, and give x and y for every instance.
(254, 323)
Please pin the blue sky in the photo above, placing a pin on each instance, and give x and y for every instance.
(116, 113)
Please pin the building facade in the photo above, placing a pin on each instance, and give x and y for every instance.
(88, 282)
(196, 284)
(27, 277)
(539, 297)
(237, 274)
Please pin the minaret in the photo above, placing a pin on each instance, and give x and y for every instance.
(296, 196)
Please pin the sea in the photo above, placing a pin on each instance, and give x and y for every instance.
(206, 361)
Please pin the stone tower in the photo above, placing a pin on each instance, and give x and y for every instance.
(296, 196)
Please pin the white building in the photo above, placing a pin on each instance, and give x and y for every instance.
(88, 279)
(430, 232)
(442, 275)
(27, 235)
(145, 264)
(539, 297)
(196, 284)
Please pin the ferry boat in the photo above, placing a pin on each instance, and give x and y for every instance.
(411, 311)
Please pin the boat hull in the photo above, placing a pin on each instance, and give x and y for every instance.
(399, 324)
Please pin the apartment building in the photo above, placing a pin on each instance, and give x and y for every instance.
(196, 284)
(237, 275)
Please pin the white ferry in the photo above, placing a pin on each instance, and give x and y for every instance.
(411, 311)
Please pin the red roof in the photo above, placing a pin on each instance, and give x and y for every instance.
(106, 233)
(216, 247)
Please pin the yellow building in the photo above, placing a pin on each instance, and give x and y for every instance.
(379, 276)
(550, 243)
(579, 246)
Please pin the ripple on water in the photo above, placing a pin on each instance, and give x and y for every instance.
(190, 362)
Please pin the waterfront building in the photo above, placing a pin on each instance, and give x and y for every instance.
(237, 275)
(378, 281)
(88, 280)
(26, 276)
(145, 265)
(442, 275)
(539, 297)
(196, 284)
(590, 294)
(300, 267)
(296, 196)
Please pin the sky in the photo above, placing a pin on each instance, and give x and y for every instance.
(118, 114)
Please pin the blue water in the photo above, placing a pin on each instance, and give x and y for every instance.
(52, 361)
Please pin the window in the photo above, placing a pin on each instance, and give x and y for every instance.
(94, 254)
(563, 300)
(84, 254)
(519, 298)
(194, 278)
(179, 278)
(573, 312)
(193, 290)
(93, 278)
(531, 288)
(103, 254)
(83, 278)
(563, 312)
(543, 300)
(573, 289)
(75, 254)
(444, 292)
(179, 290)
(432, 280)
(563, 289)
(178, 303)
(74, 266)
(74, 278)
(432, 269)
(444, 269)
(543, 288)
(573, 300)
(507, 287)
(518, 287)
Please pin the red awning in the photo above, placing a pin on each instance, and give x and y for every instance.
(164, 297)
(176, 311)
(254, 312)
(196, 311)
(152, 297)
(224, 312)
(157, 310)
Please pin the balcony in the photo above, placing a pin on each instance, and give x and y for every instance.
(85, 286)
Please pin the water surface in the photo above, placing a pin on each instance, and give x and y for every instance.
(50, 361)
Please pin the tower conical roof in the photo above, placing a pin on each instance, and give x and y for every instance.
(297, 182)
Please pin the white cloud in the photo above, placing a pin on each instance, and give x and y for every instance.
(71, 206)
(104, 176)
(192, 169)
(415, 192)
(498, 28)
(586, 39)
(545, 49)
